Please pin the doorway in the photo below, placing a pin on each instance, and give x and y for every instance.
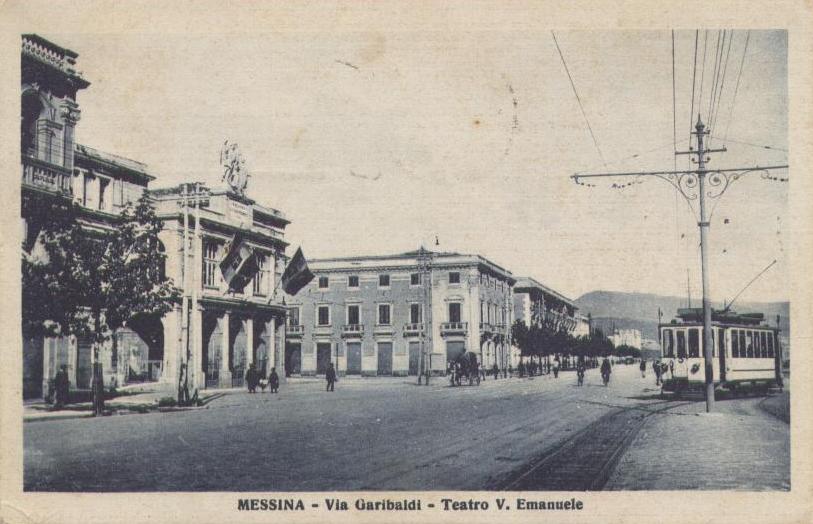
(354, 358)
(322, 357)
(385, 358)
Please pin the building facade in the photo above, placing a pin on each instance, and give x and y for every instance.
(368, 315)
(224, 330)
(536, 305)
(626, 337)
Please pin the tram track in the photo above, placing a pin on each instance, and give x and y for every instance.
(585, 460)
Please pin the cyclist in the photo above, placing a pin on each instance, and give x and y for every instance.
(580, 369)
(605, 371)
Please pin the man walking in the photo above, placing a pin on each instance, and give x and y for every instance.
(330, 376)
(656, 367)
(643, 367)
(556, 367)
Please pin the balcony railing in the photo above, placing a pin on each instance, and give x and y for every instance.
(486, 327)
(413, 329)
(454, 327)
(42, 175)
(353, 330)
(294, 330)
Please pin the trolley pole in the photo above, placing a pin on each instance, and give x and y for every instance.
(696, 184)
(708, 340)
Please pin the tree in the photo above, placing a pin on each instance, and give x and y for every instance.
(93, 283)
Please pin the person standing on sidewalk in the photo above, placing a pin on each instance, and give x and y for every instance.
(61, 385)
(643, 368)
(273, 381)
(330, 376)
(495, 371)
(556, 367)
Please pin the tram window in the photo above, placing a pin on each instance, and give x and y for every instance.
(735, 344)
(668, 343)
(770, 345)
(681, 344)
(757, 345)
(764, 337)
(694, 343)
(749, 344)
(742, 344)
(721, 341)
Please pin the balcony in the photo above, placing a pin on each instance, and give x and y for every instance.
(353, 330)
(413, 329)
(454, 328)
(486, 327)
(294, 331)
(44, 176)
(383, 329)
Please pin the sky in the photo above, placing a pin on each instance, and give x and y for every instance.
(378, 142)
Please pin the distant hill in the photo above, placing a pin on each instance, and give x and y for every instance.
(640, 310)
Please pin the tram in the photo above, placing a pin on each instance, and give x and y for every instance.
(745, 349)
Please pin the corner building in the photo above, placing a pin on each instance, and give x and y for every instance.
(367, 314)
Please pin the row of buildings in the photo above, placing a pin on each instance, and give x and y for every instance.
(373, 315)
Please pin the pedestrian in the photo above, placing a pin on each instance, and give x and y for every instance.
(330, 376)
(606, 369)
(510, 370)
(61, 385)
(580, 369)
(273, 381)
(656, 367)
(556, 367)
(643, 368)
(496, 371)
(251, 379)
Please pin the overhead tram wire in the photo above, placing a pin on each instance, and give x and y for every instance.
(674, 129)
(737, 88)
(716, 74)
(760, 146)
(702, 81)
(694, 74)
(718, 104)
(578, 99)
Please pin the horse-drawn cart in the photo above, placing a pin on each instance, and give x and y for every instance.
(465, 369)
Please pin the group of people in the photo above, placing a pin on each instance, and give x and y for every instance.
(658, 368)
(254, 378)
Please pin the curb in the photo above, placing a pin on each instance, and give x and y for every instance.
(66, 416)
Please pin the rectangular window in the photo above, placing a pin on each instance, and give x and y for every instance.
(211, 255)
(384, 315)
(668, 343)
(741, 338)
(764, 344)
(770, 345)
(681, 343)
(353, 281)
(721, 341)
(323, 282)
(482, 311)
(415, 314)
(261, 277)
(749, 344)
(454, 277)
(353, 316)
(694, 343)
(104, 183)
(735, 344)
(323, 315)
(757, 345)
(383, 281)
(415, 279)
(454, 312)
(293, 316)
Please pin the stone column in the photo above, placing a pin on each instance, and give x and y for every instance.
(249, 326)
(47, 358)
(195, 366)
(172, 346)
(72, 359)
(225, 372)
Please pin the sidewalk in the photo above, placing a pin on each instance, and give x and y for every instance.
(738, 447)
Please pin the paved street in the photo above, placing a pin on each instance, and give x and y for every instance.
(381, 434)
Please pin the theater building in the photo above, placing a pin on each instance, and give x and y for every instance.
(367, 314)
(226, 329)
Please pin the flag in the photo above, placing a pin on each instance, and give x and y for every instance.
(239, 264)
(296, 275)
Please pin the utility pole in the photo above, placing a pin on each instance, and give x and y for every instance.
(699, 184)
(425, 265)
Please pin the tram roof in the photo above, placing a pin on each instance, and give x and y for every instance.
(728, 317)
